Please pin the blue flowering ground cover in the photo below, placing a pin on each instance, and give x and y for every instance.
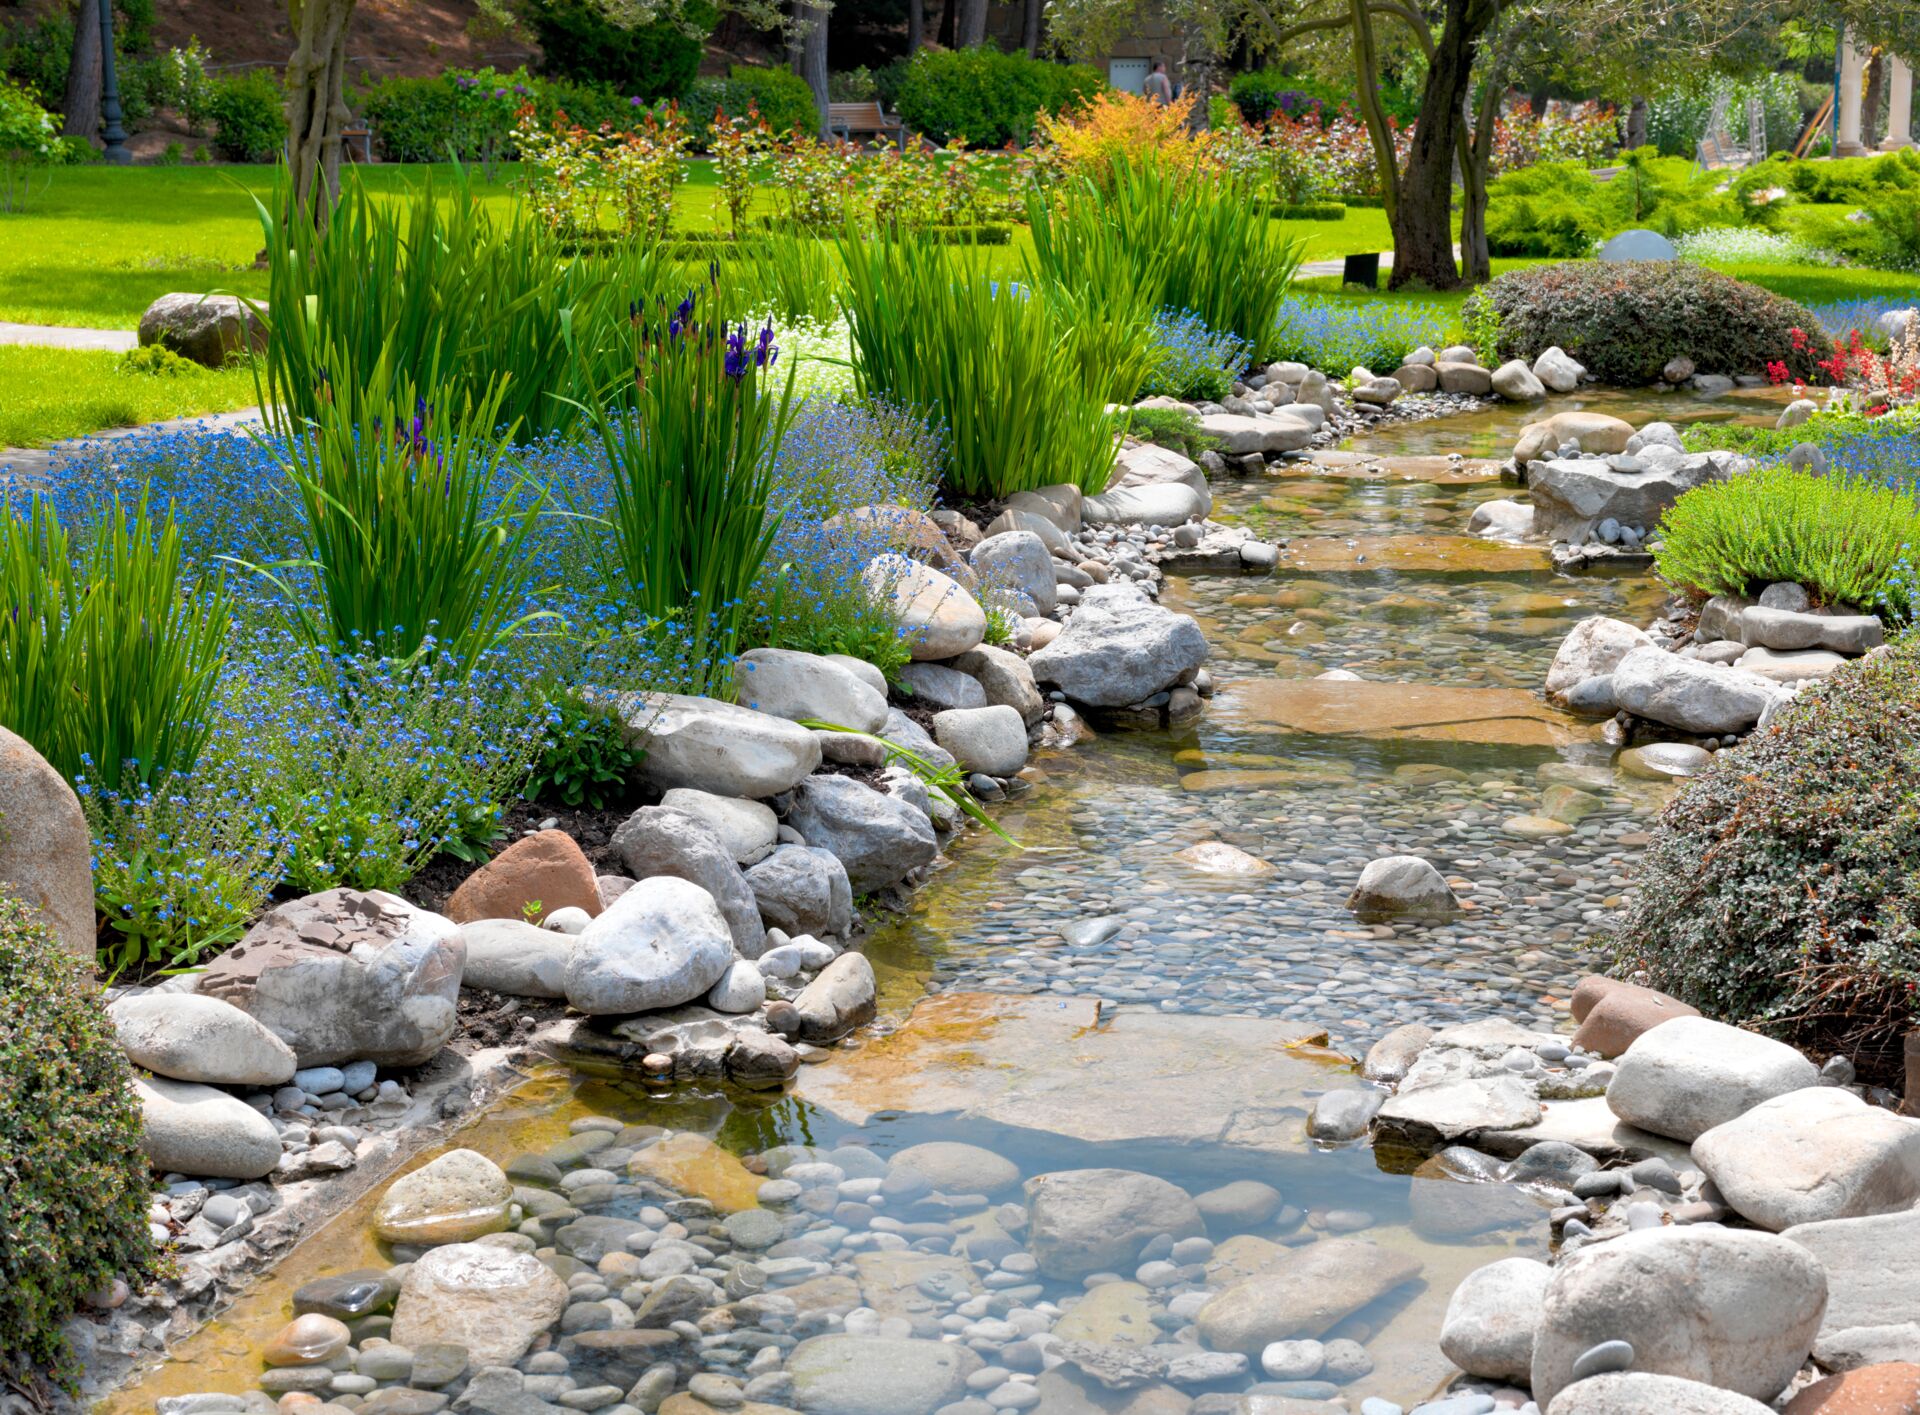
(330, 766)
(1335, 336)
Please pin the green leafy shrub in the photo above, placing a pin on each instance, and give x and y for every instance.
(783, 99)
(1560, 209)
(1848, 541)
(985, 97)
(158, 361)
(249, 117)
(586, 759)
(107, 664)
(1263, 92)
(654, 60)
(1020, 377)
(75, 1215)
(1177, 428)
(1832, 180)
(1625, 320)
(1782, 887)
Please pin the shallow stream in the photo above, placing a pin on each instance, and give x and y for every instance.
(1444, 748)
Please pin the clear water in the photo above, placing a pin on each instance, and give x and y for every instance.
(1439, 752)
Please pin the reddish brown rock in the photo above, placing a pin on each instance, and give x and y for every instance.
(1612, 1013)
(547, 869)
(1892, 1388)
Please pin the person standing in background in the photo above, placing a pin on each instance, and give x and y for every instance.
(1157, 86)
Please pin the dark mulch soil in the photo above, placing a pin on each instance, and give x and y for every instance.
(492, 1019)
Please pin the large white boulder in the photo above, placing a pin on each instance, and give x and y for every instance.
(200, 1131)
(1813, 1154)
(1725, 1307)
(1491, 1316)
(1149, 464)
(661, 944)
(1557, 370)
(1690, 1074)
(880, 839)
(46, 851)
(1169, 504)
(1595, 432)
(192, 1038)
(1872, 1266)
(1120, 648)
(515, 957)
(1402, 887)
(1083, 1221)
(1592, 649)
(1016, 560)
(493, 1301)
(747, 828)
(801, 686)
(878, 1375)
(803, 889)
(347, 975)
(1634, 1393)
(1260, 432)
(660, 840)
(1517, 383)
(939, 618)
(718, 747)
(1690, 695)
(985, 739)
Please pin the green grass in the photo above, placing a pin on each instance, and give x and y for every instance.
(1814, 284)
(48, 394)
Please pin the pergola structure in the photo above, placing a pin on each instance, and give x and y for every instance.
(1848, 117)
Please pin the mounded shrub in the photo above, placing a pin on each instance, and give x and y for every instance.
(783, 98)
(249, 117)
(73, 1182)
(1782, 888)
(1263, 92)
(987, 98)
(656, 60)
(1625, 320)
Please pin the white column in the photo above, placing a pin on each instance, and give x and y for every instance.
(1853, 66)
(1899, 105)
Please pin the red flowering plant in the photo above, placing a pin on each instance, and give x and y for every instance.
(1876, 383)
(1583, 134)
(1315, 157)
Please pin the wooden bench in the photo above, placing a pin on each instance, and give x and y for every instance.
(865, 120)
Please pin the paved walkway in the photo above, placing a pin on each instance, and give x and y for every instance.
(60, 336)
(32, 464)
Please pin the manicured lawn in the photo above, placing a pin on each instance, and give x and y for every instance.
(48, 394)
(1814, 285)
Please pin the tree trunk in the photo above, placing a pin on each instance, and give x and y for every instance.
(813, 58)
(1637, 123)
(949, 21)
(1366, 74)
(973, 23)
(1538, 100)
(1422, 218)
(916, 26)
(1030, 27)
(1874, 95)
(1475, 260)
(80, 108)
(316, 104)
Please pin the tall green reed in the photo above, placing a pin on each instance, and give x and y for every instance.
(1168, 239)
(109, 660)
(1020, 377)
(414, 525)
(691, 456)
(465, 303)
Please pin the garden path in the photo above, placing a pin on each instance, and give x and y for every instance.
(62, 336)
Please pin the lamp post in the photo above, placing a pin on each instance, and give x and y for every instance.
(114, 135)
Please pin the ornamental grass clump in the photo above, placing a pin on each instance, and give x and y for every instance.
(1020, 384)
(1848, 540)
(1177, 239)
(691, 459)
(406, 533)
(464, 304)
(73, 1182)
(1782, 888)
(109, 659)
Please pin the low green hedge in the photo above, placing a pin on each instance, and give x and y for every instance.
(249, 116)
(1626, 320)
(73, 1181)
(1781, 890)
(656, 60)
(987, 98)
(1308, 210)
